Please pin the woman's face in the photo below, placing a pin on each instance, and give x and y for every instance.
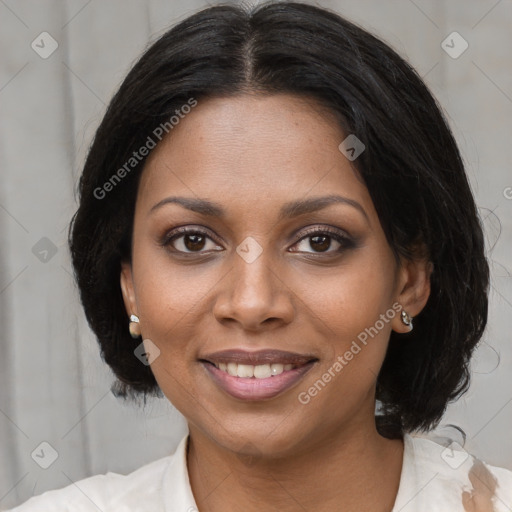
(271, 266)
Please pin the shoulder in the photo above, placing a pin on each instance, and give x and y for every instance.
(138, 491)
(449, 476)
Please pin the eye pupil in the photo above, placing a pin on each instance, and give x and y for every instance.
(195, 245)
(323, 240)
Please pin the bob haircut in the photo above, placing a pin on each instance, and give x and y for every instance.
(411, 166)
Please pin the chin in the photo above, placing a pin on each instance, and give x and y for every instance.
(260, 437)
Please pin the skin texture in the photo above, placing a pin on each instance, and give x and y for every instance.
(252, 153)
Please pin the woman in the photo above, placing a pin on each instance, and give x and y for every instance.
(276, 232)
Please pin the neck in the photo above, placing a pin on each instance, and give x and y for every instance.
(349, 471)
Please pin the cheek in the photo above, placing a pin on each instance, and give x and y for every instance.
(168, 300)
(352, 297)
(354, 308)
(169, 295)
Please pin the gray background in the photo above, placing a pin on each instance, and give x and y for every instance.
(53, 384)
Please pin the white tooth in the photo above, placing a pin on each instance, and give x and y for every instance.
(262, 371)
(232, 369)
(245, 370)
(288, 367)
(223, 367)
(277, 369)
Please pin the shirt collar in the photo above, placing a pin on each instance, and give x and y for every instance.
(177, 491)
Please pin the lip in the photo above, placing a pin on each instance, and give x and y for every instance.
(267, 356)
(253, 389)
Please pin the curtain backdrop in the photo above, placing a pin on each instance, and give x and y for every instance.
(54, 388)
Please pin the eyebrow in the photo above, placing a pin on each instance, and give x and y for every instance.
(287, 211)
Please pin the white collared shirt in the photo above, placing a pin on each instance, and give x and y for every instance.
(433, 479)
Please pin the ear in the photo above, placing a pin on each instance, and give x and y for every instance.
(127, 288)
(413, 289)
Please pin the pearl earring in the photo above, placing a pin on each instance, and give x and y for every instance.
(134, 326)
(406, 319)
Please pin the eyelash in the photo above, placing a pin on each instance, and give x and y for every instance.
(343, 240)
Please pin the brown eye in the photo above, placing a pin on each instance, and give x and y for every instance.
(188, 240)
(321, 240)
(320, 243)
(194, 242)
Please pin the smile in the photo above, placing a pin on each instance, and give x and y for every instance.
(271, 373)
(262, 371)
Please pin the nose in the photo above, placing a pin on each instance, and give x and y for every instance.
(254, 296)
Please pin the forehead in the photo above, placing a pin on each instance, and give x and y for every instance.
(252, 148)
